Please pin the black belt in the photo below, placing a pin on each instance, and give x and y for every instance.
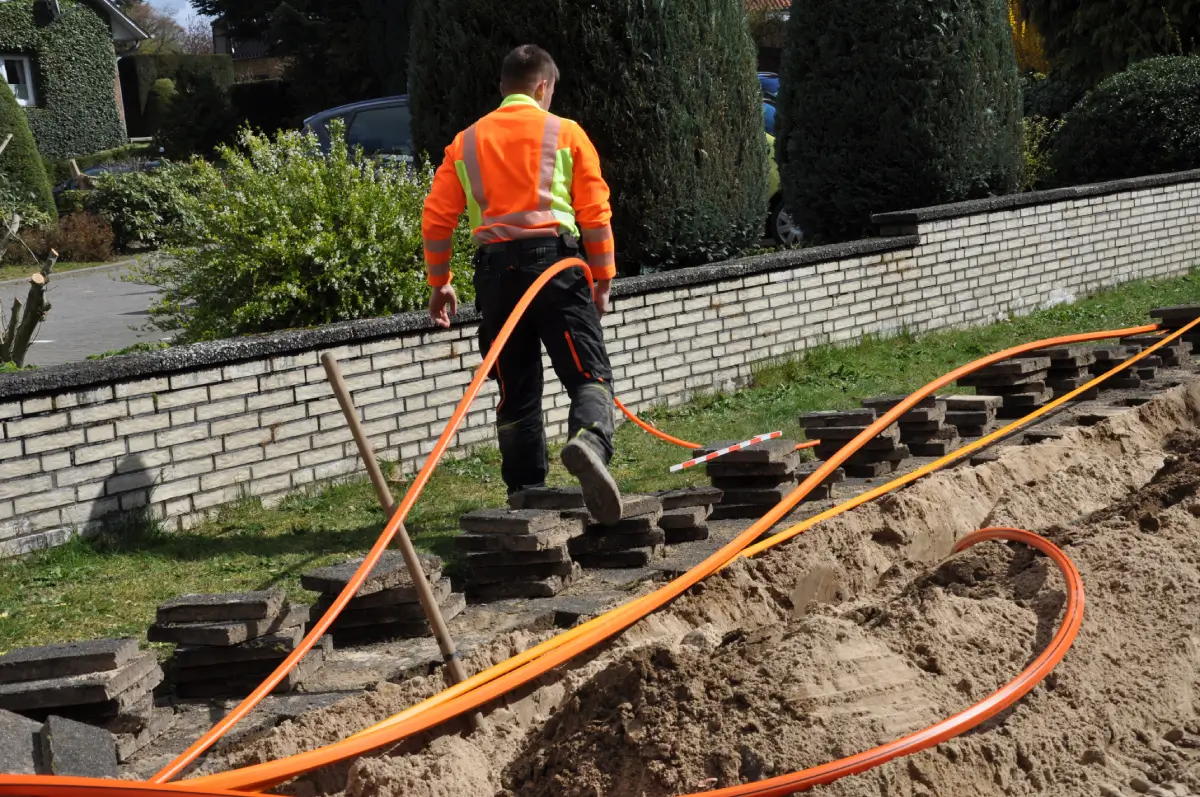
(565, 244)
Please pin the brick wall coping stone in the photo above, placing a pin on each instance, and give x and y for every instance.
(974, 207)
(75, 376)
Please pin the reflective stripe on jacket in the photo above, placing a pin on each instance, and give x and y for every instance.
(519, 172)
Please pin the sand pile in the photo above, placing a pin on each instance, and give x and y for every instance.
(861, 631)
(1118, 716)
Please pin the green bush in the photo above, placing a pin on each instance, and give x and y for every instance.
(1145, 120)
(154, 208)
(25, 182)
(666, 90)
(893, 104)
(1037, 171)
(287, 237)
(140, 73)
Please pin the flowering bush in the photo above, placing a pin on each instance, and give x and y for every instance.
(287, 236)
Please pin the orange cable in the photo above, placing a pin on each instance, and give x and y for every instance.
(961, 722)
(504, 677)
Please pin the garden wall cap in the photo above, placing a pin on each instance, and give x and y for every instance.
(993, 204)
(129, 367)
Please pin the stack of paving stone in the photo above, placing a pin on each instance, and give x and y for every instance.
(753, 480)
(634, 541)
(386, 606)
(923, 428)
(228, 643)
(971, 415)
(1173, 318)
(59, 746)
(1176, 354)
(106, 684)
(1021, 383)
(880, 456)
(1109, 357)
(519, 553)
(1070, 368)
(686, 512)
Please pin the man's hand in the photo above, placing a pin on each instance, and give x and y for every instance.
(442, 298)
(602, 296)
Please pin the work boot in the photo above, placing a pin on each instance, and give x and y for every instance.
(584, 461)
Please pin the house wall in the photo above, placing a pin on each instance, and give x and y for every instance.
(74, 73)
(187, 429)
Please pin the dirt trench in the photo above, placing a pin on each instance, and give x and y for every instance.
(860, 631)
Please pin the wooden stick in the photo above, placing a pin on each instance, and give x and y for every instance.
(433, 612)
(4, 144)
(10, 232)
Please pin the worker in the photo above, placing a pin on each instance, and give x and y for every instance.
(533, 189)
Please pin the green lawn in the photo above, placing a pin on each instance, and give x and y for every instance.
(110, 586)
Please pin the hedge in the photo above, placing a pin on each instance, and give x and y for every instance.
(60, 170)
(1145, 120)
(139, 73)
(894, 104)
(75, 77)
(23, 171)
(665, 89)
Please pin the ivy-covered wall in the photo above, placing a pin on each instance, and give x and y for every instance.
(75, 72)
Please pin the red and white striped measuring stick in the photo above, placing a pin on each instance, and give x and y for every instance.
(691, 463)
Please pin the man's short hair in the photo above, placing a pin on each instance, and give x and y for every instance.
(525, 67)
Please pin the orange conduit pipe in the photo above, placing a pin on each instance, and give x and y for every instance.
(243, 779)
(969, 448)
(503, 678)
(175, 767)
(962, 722)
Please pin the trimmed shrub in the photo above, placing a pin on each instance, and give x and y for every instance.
(288, 237)
(198, 118)
(888, 104)
(139, 73)
(26, 183)
(1145, 120)
(76, 110)
(666, 91)
(162, 96)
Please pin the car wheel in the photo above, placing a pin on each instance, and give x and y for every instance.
(780, 227)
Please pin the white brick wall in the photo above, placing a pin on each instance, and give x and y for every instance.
(188, 441)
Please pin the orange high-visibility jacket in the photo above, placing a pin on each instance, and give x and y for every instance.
(520, 172)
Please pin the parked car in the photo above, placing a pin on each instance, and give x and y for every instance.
(383, 128)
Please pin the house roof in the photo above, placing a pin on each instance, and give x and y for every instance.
(124, 29)
(768, 5)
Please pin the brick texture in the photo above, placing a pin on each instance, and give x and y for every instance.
(186, 442)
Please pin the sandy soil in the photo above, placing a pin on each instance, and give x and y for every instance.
(863, 630)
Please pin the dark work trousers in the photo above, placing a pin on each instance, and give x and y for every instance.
(563, 318)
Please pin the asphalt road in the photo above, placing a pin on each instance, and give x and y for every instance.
(91, 312)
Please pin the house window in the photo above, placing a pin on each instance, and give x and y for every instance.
(17, 72)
